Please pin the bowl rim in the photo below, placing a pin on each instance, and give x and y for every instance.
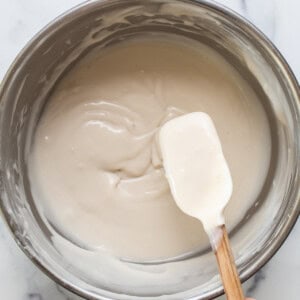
(218, 8)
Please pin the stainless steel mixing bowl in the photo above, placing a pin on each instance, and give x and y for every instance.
(50, 54)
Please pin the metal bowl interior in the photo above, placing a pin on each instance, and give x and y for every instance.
(47, 58)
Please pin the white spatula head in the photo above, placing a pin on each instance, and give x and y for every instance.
(195, 167)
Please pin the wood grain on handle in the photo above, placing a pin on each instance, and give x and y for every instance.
(228, 271)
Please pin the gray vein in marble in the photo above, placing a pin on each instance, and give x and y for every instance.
(257, 280)
(244, 7)
(262, 14)
(35, 296)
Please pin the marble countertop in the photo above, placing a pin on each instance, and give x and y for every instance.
(20, 20)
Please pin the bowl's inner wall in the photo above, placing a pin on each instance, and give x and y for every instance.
(55, 51)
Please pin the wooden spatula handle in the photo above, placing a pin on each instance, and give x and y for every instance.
(230, 278)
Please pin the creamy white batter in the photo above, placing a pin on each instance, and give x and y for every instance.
(95, 167)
